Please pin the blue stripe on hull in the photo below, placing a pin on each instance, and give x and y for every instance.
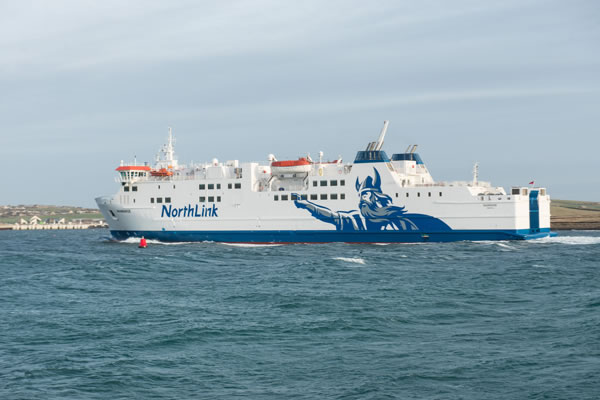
(332, 236)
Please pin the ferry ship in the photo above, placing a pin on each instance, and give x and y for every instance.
(374, 199)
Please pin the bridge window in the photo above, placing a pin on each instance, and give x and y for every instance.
(202, 186)
(314, 197)
(211, 199)
(276, 197)
(333, 196)
(202, 199)
(333, 183)
(323, 183)
(239, 186)
(324, 196)
(284, 197)
(211, 186)
(167, 199)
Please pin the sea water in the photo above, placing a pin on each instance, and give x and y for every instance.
(82, 316)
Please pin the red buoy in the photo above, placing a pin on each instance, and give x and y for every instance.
(143, 243)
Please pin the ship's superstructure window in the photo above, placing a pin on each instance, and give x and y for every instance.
(284, 197)
(229, 186)
(406, 194)
(294, 196)
(332, 183)
(159, 199)
(173, 186)
(152, 200)
(202, 199)
(239, 186)
(418, 194)
(396, 194)
(218, 186)
(167, 199)
(134, 188)
(202, 186)
(211, 186)
(276, 197)
(218, 199)
(333, 196)
(323, 183)
(314, 197)
(126, 188)
(314, 183)
(342, 196)
(342, 182)
(159, 186)
(440, 194)
(304, 197)
(211, 199)
(324, 196)
(429, 194)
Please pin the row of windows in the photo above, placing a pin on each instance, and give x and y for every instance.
(133, 188)
(323, 196)
(419, 194)
(211, 186)
(211, 199)
(332, 182)
(160, 200)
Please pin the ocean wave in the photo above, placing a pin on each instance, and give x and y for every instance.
(572, 240)
(355, 260)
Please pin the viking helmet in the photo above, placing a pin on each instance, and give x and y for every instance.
(370, 184)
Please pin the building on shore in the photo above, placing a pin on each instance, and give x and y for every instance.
(36, 223)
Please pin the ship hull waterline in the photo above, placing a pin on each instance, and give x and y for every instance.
(282, 237)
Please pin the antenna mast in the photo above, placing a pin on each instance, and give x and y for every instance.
(379, 143)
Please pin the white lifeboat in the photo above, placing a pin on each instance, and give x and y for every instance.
(299, 166)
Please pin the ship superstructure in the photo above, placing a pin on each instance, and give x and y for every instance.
(375, 198)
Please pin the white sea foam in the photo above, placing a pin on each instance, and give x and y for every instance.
(578, 240)
(504, 245)
(355, 260)
(132, 240)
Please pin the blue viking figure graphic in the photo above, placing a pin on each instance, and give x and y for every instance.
(376, 211)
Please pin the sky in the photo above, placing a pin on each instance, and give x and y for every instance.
(513, 85)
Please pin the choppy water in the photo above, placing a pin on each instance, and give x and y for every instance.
(84, 317)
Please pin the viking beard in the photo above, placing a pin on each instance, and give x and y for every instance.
(380, 215)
